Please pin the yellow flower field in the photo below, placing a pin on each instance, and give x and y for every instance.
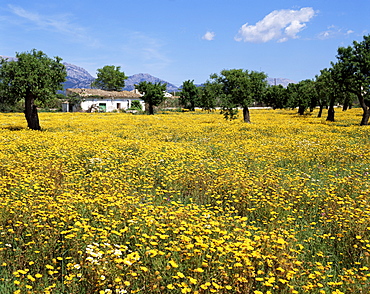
(185, 203)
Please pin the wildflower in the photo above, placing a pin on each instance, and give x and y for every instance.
(170, 286)
(199, 270)
(173, 263)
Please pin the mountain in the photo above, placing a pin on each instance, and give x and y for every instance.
(8, 58)
(137, 78)
(77, 77)
(280, 81)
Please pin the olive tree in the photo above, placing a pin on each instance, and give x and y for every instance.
(189, 95)
(153, 94)
(353, 72)
(109, 78)
(239, 89)
(32, 77)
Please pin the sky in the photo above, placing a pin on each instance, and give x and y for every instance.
(179, 40)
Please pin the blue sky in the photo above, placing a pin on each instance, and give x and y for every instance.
(178, 40)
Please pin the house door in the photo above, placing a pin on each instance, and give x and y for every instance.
(102, 107)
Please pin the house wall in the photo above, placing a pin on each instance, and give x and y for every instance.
(107, 105)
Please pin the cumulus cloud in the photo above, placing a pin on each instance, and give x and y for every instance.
(209, 36)
(280, 25)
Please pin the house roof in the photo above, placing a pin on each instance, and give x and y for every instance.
(103, 94)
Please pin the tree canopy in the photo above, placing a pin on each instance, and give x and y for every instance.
(34, 77)
(353, 73)
(239, 89)
(189, 95)
(153, 93)
(110, 78)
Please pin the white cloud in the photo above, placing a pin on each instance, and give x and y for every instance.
(209, 36)
(280, 25)
(58, 23)
(333, 32)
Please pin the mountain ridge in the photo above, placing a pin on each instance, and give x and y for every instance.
(78, 77)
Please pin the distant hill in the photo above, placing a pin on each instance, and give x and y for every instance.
(280, 81)
(137, 78)
(78, 77)
(8, 58)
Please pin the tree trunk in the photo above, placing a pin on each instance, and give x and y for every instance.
(366, 110)
(192, 106)
(301, 110)
(31, 112)
(151, 109)
(320, 111)
(365, 117)
(246, 115)
(331, 111)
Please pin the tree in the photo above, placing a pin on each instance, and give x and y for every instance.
(189, 95)
(301, 95)
(34, 77)
(329, 92)
(109, 78)
(240, 88)
(275, 96)
(353, 72)
(209, 96)
(325, 90)
(153, 93)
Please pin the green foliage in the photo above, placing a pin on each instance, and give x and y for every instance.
(74, 101)
(352, 71)
(33, 77)
(153, 93)
(209, 96)
(301, 95)
(136, 105)
(110, 78)
(14, 107)
(275, 96)
(325, 87)
(239, 89)
(189, 95)
(54, 103)
(33, 73)
(230, 113)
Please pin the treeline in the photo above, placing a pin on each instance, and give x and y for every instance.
(347, 81)
(35, 79)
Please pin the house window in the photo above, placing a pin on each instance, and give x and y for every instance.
(102, 107)
(118, 105)
(128, 103)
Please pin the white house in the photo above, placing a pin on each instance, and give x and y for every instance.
(102, 101)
